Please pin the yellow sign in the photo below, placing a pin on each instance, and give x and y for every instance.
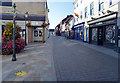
(13, 25)
(21, 73)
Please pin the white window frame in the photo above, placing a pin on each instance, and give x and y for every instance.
(92, 8)
(86, 11)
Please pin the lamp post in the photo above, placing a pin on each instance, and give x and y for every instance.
(26, 16)
(14, 45)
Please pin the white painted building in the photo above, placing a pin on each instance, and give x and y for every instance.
(71, 23)
(98, 15)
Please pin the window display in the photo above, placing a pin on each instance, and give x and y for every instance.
(81, 34)
(94, 34)
(40, 33)
(35, 33)
(110, 34)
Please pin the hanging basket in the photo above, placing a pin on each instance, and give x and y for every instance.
(28, 24)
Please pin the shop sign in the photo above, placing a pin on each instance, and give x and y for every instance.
(109, 33)
(96, 24)
(99, 23)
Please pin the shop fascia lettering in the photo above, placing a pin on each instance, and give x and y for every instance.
(99, 23)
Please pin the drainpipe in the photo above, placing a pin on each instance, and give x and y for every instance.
(118, 24)
(116, 34)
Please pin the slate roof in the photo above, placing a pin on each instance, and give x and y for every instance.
(67, 19)
(21, 17)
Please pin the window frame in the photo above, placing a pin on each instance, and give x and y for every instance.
(92, 8)
(101, 6)
(81, 14)
(86, 11)
(6, 4)
(110, 3)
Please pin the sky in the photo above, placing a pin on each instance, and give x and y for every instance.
(58, 11)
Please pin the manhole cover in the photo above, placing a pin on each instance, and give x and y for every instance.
(20, 73)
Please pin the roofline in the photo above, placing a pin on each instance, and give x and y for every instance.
(69, 20)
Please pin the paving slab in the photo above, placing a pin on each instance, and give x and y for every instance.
(36, 60)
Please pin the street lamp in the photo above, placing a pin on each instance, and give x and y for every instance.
(26, 16)
(14, 45)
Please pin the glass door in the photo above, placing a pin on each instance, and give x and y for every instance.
(38, 34)
(100, 36)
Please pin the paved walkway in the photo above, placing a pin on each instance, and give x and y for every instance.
(36, 60)
(77, 61)
(62, 60)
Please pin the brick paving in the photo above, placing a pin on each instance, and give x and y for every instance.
(62, 60)
(77, 61)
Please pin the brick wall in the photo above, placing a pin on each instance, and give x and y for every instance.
(30, 35)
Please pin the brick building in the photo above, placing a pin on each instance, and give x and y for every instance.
(38, 14)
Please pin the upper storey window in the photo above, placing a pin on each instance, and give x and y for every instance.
(92, 8)
(101, 5)
(5, 3)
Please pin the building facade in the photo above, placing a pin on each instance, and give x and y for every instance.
(101, 21)
(64, 28)
(38, 14)
(4, 4)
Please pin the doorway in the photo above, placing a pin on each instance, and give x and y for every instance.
(38, 34)
(100, 36)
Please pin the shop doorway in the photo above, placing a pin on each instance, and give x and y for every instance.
(38, 34)
(100, 36)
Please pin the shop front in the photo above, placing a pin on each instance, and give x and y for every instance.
(36, 34)
(35, 31)
(103, 31)
(79, 31)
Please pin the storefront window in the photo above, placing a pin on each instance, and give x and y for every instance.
(94, 34)
(22, 34)
(110, 34)
(40, 33)
(35, 33)
(81, 34)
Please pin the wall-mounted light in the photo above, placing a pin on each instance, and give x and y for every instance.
(92, 18)
(108, 11)
(103, 12)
